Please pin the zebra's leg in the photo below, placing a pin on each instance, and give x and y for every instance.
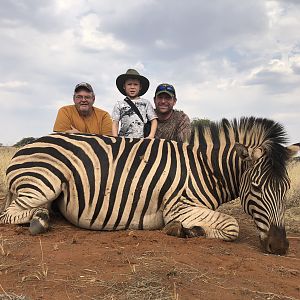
(184, 220)
(39, 222)
(176, 228)
(21, 211)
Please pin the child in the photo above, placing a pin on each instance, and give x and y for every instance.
(133, 85)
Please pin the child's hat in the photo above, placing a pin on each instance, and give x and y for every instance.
(132, 74)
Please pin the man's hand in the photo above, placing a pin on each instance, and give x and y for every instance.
(72, 130)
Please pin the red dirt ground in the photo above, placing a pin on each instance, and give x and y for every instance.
(72, 263)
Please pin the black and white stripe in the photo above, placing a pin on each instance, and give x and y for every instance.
(105, 183)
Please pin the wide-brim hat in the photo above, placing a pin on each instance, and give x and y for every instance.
(132, 74)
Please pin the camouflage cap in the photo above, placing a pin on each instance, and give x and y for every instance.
(84, 85)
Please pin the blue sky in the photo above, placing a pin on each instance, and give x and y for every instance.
(226, 58)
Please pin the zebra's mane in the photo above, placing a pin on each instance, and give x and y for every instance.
(249, 131)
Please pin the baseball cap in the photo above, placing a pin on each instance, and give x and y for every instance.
(165, 88)
(84, 85)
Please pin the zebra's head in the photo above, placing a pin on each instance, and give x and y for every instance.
(263, 186)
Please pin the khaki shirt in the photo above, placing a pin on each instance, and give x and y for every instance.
(99, 122)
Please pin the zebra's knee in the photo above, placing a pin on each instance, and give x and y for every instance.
(40, 221)
(228, 232)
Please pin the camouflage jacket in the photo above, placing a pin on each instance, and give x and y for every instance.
(177, 127)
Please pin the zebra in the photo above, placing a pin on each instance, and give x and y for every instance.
(114, 183)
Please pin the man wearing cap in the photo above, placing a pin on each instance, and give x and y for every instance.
(83, 116)
(172, 124)
(134, 111)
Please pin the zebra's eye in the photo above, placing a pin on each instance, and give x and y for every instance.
(255, 188)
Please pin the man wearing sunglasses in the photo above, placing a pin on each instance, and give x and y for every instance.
(83, 116)
(172, 124)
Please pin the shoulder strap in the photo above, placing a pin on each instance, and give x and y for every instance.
(132, 105)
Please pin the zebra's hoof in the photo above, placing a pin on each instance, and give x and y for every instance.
(195, 231)
(37, 226)
(175, 229)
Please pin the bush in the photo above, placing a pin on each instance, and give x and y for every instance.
(204, 122)
(24, 141)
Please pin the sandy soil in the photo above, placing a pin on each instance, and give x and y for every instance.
(72, 263)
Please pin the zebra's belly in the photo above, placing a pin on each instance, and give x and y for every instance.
(116, 220)
(149, 222)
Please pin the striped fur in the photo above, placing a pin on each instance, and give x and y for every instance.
(105, 183)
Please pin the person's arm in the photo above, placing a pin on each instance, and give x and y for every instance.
(115, 128)
(115, 120)
(153, 129)
(106, 125)
(63, 122)
(72, 130)
(184, 130)
(151, 115)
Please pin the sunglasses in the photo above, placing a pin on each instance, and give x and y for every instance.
(165, 87)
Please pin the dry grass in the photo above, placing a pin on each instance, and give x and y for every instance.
(42, 271)
(3, 250)
(293, 195)
(157, 276)
(6, 153)
(12, 296)
(154, 277)
(6, 247)
(292, 213)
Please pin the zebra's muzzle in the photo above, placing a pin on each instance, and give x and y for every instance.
(275, 241)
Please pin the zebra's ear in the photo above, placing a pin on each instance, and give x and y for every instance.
(293, 149)
(242, 151)
(257, 153)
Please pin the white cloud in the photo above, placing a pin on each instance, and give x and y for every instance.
(13, 84)
(278, 76)
(283, 116)
(163, 44)
(295, 64)
(91, 36)
(225, 58)
(67, 6)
